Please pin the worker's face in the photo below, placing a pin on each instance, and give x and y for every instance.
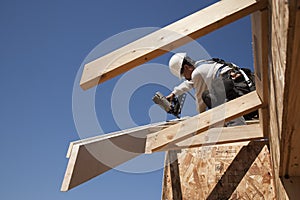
(187, 72)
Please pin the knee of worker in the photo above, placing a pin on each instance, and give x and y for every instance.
(224, 89)
(208, 98)
(212, 100)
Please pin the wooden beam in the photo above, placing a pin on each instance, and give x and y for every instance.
(284, 98)
(91, 157)
(172, 167)
(221, 135)
(167, 39)
(290, 143)
(203, 121)
(261, 38)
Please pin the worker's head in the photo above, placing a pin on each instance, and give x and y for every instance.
(181, 65)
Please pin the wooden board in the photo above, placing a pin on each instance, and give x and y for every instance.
(167, 39)
(278, 32)
(284, 96)
(202, 122)
(220, 172)
(260, 38)
(222, 135)
(291, 109)
(91, 157)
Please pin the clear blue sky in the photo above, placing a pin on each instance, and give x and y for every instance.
(42, 46)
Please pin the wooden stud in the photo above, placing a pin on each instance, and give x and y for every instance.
(290, 143)
(284, 96)
(260, 38)
(167, 39)
(203, 121)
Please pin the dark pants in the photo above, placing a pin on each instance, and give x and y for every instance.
(221, 91)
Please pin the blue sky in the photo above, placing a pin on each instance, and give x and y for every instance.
(42, 46)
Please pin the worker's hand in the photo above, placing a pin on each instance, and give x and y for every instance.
(170, 97)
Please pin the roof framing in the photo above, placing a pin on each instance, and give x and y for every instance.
(89, 157)
(203, 121)
(167, 39)
(83, 165)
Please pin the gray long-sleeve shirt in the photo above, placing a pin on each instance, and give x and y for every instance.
(201, 79)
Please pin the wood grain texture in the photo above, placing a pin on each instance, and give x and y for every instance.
(202, 122)
(261, 48)
(284, 96)
(222, 172)
(278, 32)
(291, 109)
(222, 135)
(167, 39)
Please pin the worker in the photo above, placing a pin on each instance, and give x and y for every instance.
(204, 77)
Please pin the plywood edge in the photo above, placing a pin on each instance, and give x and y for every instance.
(70, 168)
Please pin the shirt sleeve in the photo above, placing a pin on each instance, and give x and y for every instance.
(183, 87)
(200, 87)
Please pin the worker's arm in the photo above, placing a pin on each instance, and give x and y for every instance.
(180, 89)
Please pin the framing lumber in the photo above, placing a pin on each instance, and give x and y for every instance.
(260, 38)
(89, 157)
(202, 122)
(284, 95)
(221, 135)
(291, 99)
(167, 39)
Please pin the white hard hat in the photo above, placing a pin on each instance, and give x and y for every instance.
(175, 64)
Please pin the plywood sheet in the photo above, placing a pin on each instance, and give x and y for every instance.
(91, 157)
(241, 171)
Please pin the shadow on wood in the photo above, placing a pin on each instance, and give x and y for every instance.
(236, 171)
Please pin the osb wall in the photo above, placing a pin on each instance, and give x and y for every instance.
(240, 171)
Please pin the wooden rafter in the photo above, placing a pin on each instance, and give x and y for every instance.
(202, 122)
(221, 135)
(167, 39)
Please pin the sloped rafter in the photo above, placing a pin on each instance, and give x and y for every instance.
(167, 39)
(220, 135)
(202, 122)
(138, 52)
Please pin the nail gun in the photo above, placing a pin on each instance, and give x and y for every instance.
(173, 107)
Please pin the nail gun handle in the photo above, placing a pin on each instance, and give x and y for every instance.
(170, 97)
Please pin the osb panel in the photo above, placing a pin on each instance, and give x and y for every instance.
(220, 172)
